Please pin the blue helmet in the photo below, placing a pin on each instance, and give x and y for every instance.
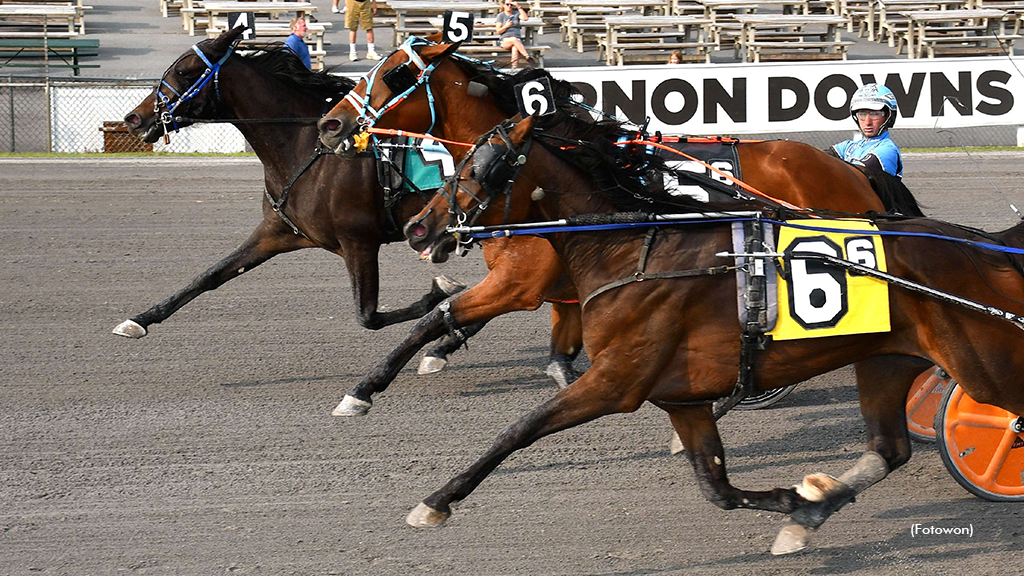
(875, 97)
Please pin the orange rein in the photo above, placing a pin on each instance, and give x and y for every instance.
(390, 132)
(729, 177)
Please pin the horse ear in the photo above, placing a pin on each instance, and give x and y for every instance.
(522, 130)
(438, 51)
(221, 43)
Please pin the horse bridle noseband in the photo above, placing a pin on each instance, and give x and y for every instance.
(400, 80)
(212, 71)
(495, 168)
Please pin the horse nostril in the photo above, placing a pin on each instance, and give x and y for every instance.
(331, 125)
(133, 119)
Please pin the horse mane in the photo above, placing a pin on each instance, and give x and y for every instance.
(568, 120)
(279, 61)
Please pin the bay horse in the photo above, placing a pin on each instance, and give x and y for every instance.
(524, 271)
(334, 203)
(676, 342)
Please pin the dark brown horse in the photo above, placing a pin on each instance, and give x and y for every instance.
(336, 204)
(524, 271)
(676, 342)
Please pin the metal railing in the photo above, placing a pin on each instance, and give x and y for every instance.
(40, 114)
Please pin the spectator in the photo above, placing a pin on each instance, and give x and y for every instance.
(873, 108)
(360, 13)
(676, 57)
(296, 41)
(510, 32)
(335, 10)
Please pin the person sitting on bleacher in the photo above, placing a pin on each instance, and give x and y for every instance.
(509, 30)
(296, 42)
(873, 108)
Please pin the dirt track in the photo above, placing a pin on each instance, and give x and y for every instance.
(208, 446)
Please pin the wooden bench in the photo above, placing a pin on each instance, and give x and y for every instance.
(798, 50)
(167, 5)
(969, 45)
(66, 51)
(659, 51)
(536, 51)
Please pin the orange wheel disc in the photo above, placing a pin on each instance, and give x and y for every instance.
(923, 403)
(982, 446)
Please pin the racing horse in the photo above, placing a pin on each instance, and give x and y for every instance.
(676, 342)
(312, 199)
(459, 99)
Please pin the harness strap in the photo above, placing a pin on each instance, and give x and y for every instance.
(278, 205)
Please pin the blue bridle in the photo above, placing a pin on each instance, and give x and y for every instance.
(368, 115)
(212, 72)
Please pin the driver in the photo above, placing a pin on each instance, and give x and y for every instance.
(873, 108)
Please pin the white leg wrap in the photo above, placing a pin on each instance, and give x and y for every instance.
(869, 469)
(130, 328)
(352, 406)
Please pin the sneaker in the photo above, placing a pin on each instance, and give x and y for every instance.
(334, 9)
(372, 56)
(352, 57)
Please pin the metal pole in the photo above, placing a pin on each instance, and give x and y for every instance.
(46, 65)
(10, 94)
(49, 117)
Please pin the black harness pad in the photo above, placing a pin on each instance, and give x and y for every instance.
(399, 79)
(719, 152)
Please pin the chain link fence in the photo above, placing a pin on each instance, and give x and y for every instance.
(77, 116)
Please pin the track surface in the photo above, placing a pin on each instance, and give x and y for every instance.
(208, 446)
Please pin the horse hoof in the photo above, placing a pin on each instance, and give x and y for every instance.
(352, 406)
(816, 487)
(431, 365)
(448, 286)
(130, 328)
(792, 538)
(675, 446)
(561, 374)
(423, 516)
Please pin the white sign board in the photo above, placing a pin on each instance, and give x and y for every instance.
(803, 97)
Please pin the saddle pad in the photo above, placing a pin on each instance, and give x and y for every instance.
(817, 300)
(720, 153)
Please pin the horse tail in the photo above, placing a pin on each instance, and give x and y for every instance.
(894, 194)
(1014, 238)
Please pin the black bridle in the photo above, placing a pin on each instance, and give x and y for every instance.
(495, 167)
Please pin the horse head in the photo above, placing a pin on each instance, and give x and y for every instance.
(484, 191)
(188, 89)
(403, 77)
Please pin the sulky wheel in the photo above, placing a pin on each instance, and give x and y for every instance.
(923, 403)
(764, 399)
(982, 446)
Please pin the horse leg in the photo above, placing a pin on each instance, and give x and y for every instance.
(502, 290)
(566, 342)
(364, 270)
(699, 433)
(437, 357)
(591, 397)
(882, 385)
(266, 241)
